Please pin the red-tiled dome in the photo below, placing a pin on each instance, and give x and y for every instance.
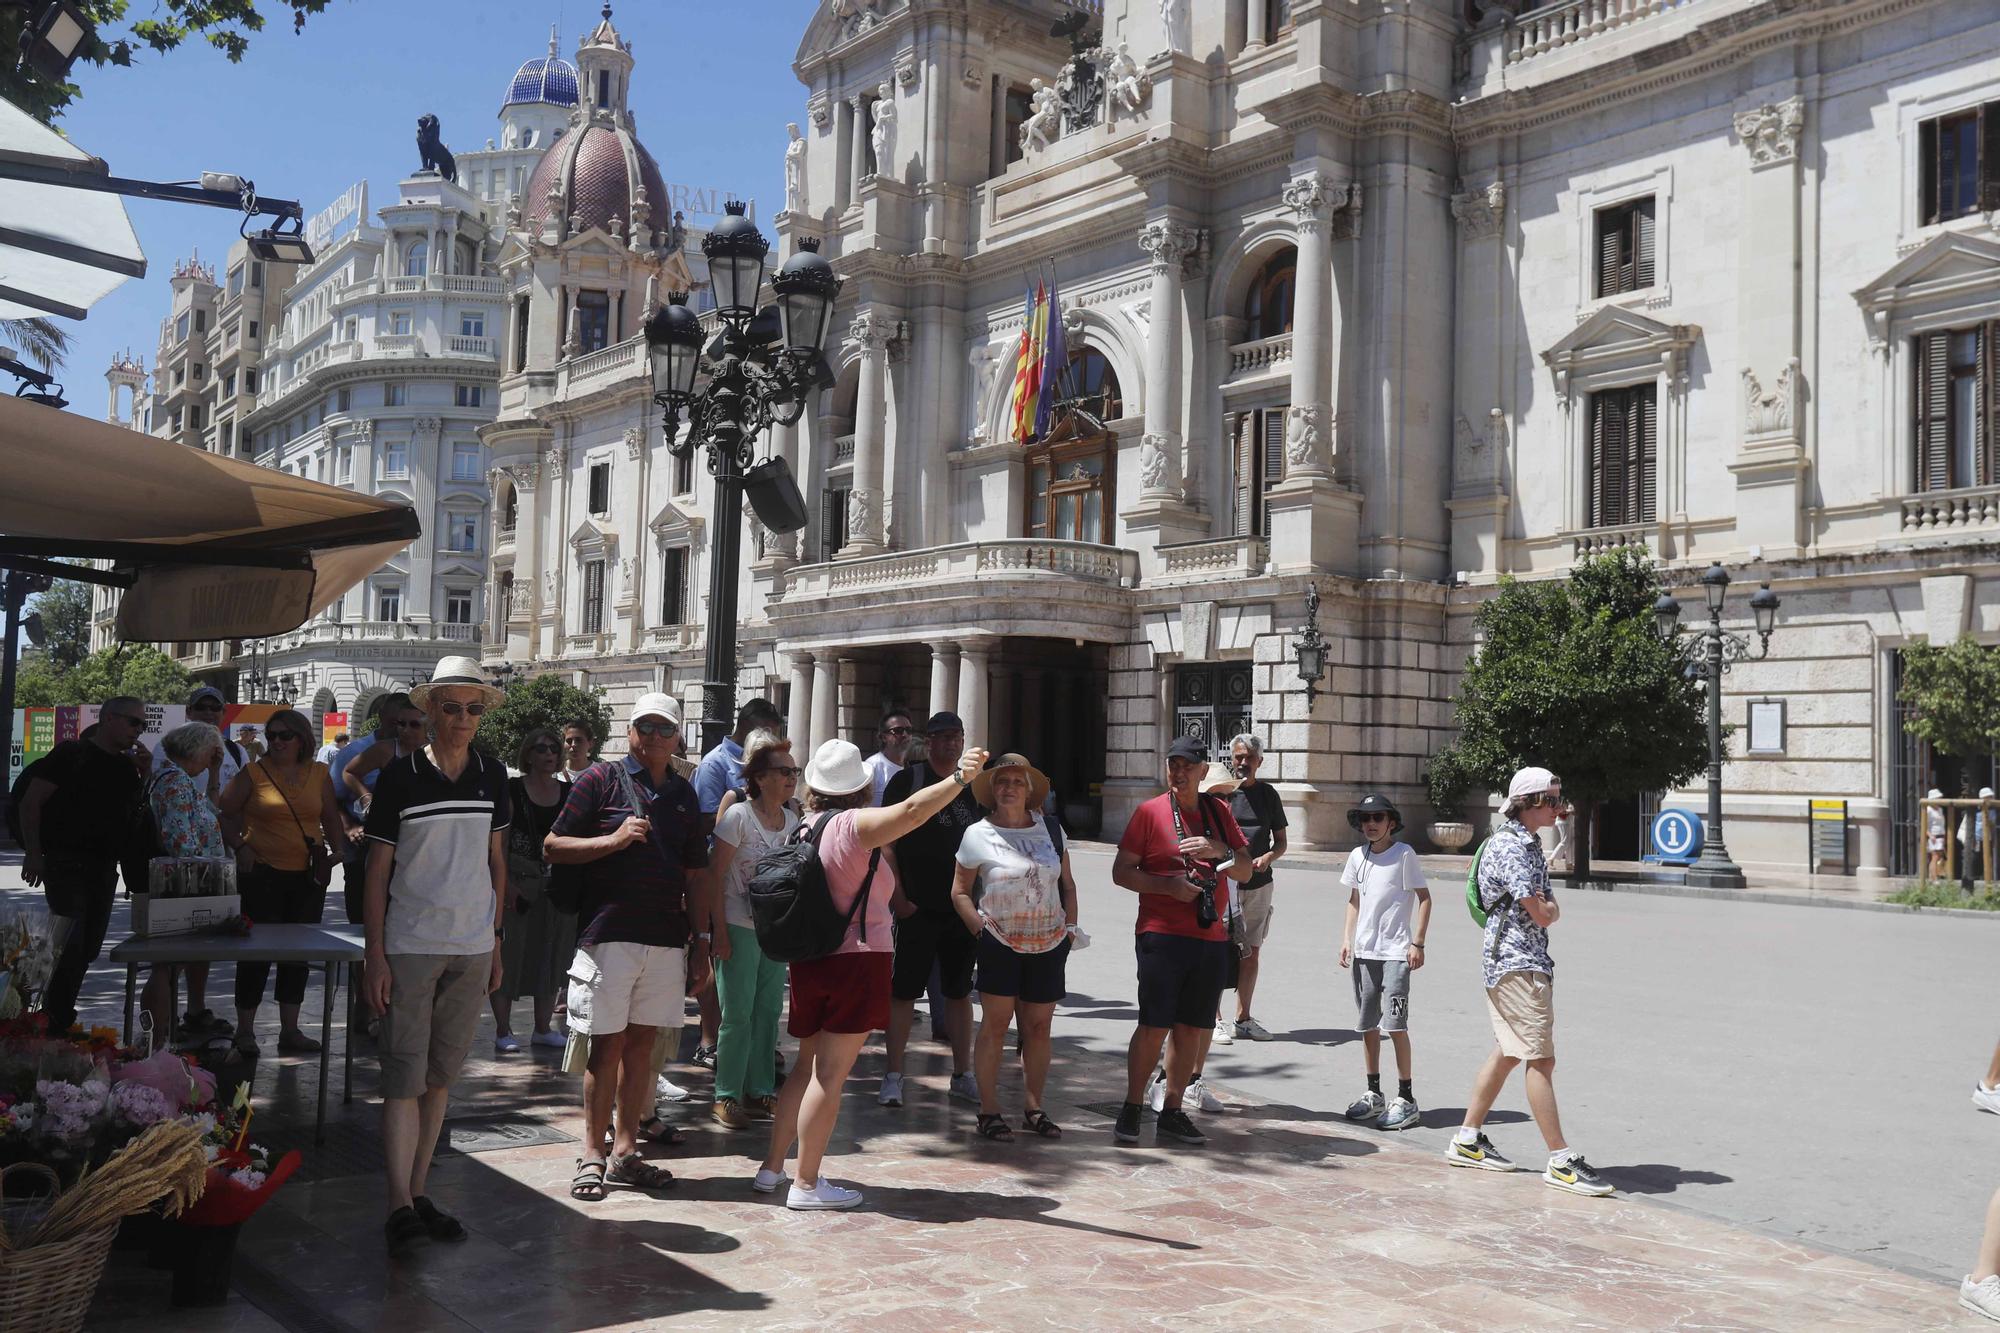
(594, 166)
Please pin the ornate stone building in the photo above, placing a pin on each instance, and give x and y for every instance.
(1392, 302)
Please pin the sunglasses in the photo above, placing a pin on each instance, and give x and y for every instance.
(1374, 819)
(543, 748)
(656, 728)
(276, 736)
(127, 717)
(451, 708)
(897, 731)
(778, 772)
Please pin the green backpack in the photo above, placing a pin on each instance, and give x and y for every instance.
(1472, 903)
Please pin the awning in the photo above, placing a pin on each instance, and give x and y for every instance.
(208, 547)
(61, 250)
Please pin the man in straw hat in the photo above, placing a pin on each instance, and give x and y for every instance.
(433, 919)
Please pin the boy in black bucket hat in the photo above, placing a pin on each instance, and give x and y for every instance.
(1388, 915)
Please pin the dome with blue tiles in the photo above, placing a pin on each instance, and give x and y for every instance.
(548, 78)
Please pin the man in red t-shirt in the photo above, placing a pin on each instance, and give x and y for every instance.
(1179, 853)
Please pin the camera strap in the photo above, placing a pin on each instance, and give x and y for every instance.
(1180, 829)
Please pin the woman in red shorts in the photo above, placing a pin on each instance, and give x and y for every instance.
(841, 998)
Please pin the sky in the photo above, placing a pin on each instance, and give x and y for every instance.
(306, 115)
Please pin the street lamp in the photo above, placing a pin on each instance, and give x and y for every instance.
(760, 369)
(1311, 647)
(1714, 868)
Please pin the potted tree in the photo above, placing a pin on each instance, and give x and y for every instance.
(1447, 784)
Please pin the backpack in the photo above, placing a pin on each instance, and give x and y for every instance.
(1472, 904)
(791, 904)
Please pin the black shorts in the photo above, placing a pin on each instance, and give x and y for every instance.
(1031, 978)
(926, 937)
(1180, 980)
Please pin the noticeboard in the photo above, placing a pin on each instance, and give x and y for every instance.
(1826, 850)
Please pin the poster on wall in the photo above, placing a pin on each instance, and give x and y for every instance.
(331, 725)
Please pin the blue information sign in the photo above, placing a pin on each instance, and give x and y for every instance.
(1677, 838)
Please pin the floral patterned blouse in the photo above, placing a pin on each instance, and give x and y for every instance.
(187, 822)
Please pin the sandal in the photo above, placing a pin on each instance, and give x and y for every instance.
(441, 1225)
(403, 1227)
(995, 1127)
(586, 1184)
(634, 1170)
(1038, 1121)
(655, 1129)
(295, 1042)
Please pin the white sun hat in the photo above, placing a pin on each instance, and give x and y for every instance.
(836, 769)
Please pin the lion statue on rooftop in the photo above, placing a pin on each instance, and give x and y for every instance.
(430, 144)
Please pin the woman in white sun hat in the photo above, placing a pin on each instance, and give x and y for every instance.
(841, 998)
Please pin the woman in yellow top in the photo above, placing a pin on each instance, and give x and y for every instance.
(274, 812)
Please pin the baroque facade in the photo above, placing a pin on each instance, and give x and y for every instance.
(1392, 303)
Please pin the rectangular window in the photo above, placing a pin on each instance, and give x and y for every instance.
(1623, 457)
(1625, 247)
(1019, 106)
(350, 329)
(1958, 408)
(199, 371)
(201, 321)
(593, 596)
(469, 395)
(464, 535)
(389, 602)
(399, 321)
(673, 586)
(593, 320)
(521, 333)
(180, 375)
(176, 421)
(236, 280)
(465, 462)
(1258, 458)
(256, 273)
(1959, 165)
(251, 336)
(396, 461)
(472, 323)
(181, 325)
(684, 473)
(832, 521)
(600, 488)
(458, 606)
(1277, 19)
(394, 395)
(345, 472)
(229, 384)
(249, 381)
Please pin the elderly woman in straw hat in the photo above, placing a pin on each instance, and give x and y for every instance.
(841, 998)
(1014, 890)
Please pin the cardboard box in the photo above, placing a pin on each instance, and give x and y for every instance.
(181, 916)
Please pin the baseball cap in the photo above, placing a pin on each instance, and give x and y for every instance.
(1530, 782)
(656, 705)
(204, 693)
(943, 722)
(1187, 747)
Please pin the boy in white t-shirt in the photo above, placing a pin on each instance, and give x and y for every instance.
(1388, 915)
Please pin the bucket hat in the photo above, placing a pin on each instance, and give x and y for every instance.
(836, 769)
(1373, 804)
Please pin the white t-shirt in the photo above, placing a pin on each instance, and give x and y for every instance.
(741, 829)
(1388, 883)
(1020, 880)
(880, 769)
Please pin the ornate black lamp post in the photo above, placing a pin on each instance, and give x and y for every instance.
(1311, 647)
(759, 370)
(1714, 868)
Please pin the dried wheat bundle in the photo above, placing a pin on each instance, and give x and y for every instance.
(166, 1163)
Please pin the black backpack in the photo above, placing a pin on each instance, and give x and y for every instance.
(791, 904)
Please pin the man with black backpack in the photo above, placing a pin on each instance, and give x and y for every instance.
(75, 815)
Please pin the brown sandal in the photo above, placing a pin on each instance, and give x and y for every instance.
(994, 1127)
(634, 1170)
(588, 1182)
(1037, 1121)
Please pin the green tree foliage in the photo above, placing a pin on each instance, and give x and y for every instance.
(1572, 676)
(225, 25)
(141, 670)
(1955, 694)
(65, 613)
(42, 341)
(544, 701)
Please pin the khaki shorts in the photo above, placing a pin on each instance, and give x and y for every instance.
(1523, 1006)
(434, 1006)
(1256, 914)
(619, 985)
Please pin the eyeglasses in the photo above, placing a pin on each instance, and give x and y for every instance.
(656, 728)
(897, 731)
(451, 708)
(777, 772)
(412, 724)
(543, 748)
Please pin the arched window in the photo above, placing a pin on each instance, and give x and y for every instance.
(1268, 308)
(417, 259)
(1071, 478)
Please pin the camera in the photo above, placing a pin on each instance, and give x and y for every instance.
(1202, 874)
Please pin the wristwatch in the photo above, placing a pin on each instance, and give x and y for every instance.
(499, 933)
(959, 778)
(703, 936)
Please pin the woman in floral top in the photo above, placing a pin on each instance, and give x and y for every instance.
(187, 826)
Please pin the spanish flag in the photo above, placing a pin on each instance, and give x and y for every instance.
(1028, 367)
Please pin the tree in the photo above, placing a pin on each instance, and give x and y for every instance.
(225, 25)
(42, 341)
(1955, 695)
(140, 670)
(1571, 675)
(545, 701)
(65, 613)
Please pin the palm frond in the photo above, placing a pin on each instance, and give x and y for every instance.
(42, 341)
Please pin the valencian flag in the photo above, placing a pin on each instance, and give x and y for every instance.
(1028, 368)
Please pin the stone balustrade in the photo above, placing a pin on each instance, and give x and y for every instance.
(1240, 557)
(592, 370)
(460, 344)
(372, 631)
(1969, 507)
(1600, 541)
(1252, 357)
(964, 563)
(1488, 56)
(843, 449)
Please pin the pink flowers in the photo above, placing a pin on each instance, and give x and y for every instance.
(139, 1104)
(182, 1084)
(68, 1109)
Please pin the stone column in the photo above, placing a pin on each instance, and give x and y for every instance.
(799, 716)
(972, 664)
(632, 569)
(944, 678)
(825, 699)
(874, 332)
(1168, 244)
(1253, 38)
(527, 557)
(1308, 428)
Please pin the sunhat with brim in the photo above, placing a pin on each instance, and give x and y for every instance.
(459, 673)
(1038, 782)
(1373, 804)
(836, 769)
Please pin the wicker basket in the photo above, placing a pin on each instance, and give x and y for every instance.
(48, 1288)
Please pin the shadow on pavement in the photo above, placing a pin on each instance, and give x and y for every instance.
(1659, 1178)
(937, 1206)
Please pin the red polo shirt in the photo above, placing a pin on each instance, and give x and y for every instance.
(1151, 836)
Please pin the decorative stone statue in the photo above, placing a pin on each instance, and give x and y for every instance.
(430, 145)
(795, 170)
(1173, 25)
(1122, 81)
(882, 135)
(1044, 123)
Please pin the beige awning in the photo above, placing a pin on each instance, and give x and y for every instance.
(61, 250)
(208, 547)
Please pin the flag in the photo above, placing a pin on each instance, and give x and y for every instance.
(1055, 358)
(1020, 413)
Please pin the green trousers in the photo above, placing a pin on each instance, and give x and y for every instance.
(752, 990)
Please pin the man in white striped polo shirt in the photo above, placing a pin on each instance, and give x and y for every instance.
(432, 916)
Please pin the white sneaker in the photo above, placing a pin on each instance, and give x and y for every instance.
(506, 1044)
(1200, 1098)
(1985, 1098)
(892, 1091)
(1156, 1091)
(666, 1090)
(1225, 1032)
(1981, 1297)
(823, 1196)
(965, 1087)
(1368, 1106)
(767, 1182)
(1253, 1030)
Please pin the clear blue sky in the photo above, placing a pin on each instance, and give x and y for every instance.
(307, 115)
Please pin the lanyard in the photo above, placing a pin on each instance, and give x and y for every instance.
(1180, 829)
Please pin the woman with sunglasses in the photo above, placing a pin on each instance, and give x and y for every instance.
(750, 986)
(540, 940)
(402, 731)
(274, 813)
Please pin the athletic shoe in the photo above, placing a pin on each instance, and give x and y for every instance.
(551, 1038)
(1368, 1106)
(824, 1196)
(1981, 1297)
(1576, 1176)
(666, 1090)
(1126, 1130)
(1985, 1098)
(1252, 1029)
(729, 1113)
(965, 1087)
(761, 1108)
(506, 1044)
(892, 1091)
(1175, 1124)
(1479, 1153)
(1225, 1032)
(704, 1056)
(1200, 1098)
(1156, 1091)
(766, 1182)
(1402, 1114)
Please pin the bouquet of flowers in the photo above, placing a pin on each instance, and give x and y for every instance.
(27, 956)
(242, 1176)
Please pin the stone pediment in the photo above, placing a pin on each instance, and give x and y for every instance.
(459, 569)
(592, 537)
(672, 521)
(1949, 266)
(1614, 334)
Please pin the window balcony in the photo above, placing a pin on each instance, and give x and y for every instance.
(843, 449)
(1952, 511)
(1587, 542)
(966, 565)
(1231, 557)
(461, 344)
(1260, 357)
(1489, 58)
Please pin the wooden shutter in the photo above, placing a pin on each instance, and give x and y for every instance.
(1927, 168)
(1642, 244)
(1610, 252)
(1645, 432)
(1599, 403)
(1271, 467)
(1933, 424)
(1243, 459)
(1987, 443)
(1989, 157)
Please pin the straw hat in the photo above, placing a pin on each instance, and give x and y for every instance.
(1038, 782)
(836, 769)
(461, 673)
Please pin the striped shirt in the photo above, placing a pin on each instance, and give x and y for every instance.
(441, 890)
